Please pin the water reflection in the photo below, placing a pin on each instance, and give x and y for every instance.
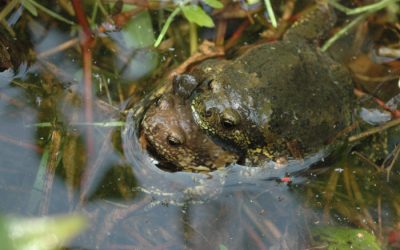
(19, 154)
(243, 216)
(179, 186)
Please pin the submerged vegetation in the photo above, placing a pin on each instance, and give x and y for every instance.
(76, 66)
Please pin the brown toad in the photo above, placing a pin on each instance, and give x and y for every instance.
(175, 138)
(284, 98)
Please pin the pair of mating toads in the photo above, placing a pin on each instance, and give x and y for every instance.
(279, 100)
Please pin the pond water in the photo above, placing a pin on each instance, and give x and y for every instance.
(63, 150)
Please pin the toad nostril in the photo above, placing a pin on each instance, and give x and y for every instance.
(229, 124)
(174, 141)
(229, 119)
(209, 84)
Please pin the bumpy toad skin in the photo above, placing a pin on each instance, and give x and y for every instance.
(169, 128)
(276, 98)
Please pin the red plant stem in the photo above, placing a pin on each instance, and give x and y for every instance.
(236, 35)
(395, 113)
(80, 15)
(11, 100)
(7, 139)
(88, 98)
(86, 43)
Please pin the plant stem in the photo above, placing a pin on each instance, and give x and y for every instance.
(343, 31)
(366, 10)
(38, 187)
(102, 8)
(193, 37)
(271, 13)
(51, 13)
(375, 130)
(86, 45)
(166, 26)
(371, 7)
(8, 8)
(94, 11)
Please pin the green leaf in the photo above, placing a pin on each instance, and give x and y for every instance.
(29, 7)
(344, 238)
(5, 241)
(222, 247)
(45, 233)
(138, 32)
(47, 11)
(214, 3)
(195, 14)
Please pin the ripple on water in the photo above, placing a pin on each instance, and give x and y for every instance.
(178, 188)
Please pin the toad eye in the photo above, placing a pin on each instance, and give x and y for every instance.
(208, 113)
(175, 140)
(230, 119)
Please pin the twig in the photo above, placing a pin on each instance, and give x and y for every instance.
(375, 130)
(365, 159)
(395, 113)
(361, 203)
(371, 7)
(206, 50)
(379, 210)
(142, 3)
(376, 79)
(119, 20)
(59, 48)
(329, 193)
(395, 157)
